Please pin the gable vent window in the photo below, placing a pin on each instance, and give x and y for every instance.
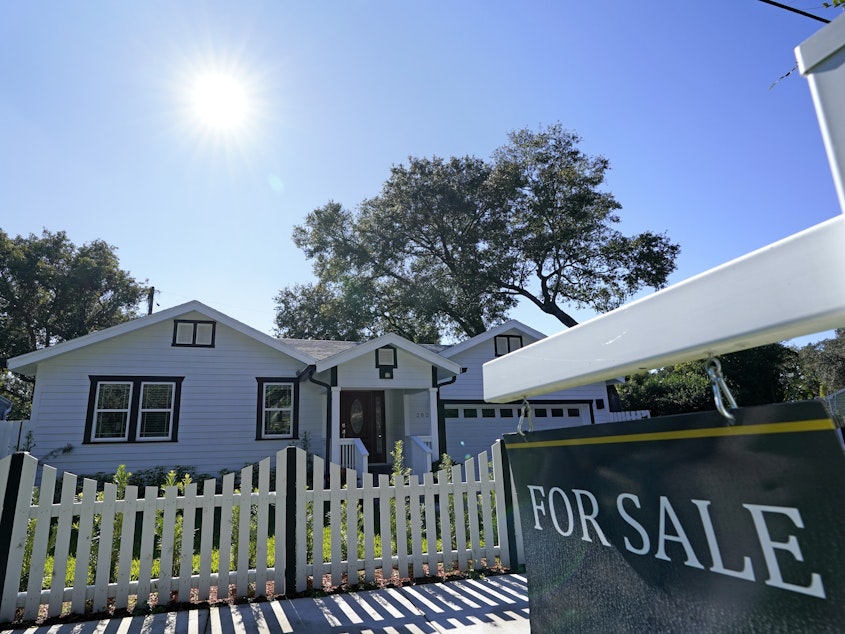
(386, 362)
(507, 343)
(192, 333)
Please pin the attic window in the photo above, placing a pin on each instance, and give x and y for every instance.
(194, 333)
(386, 362)
(507, 343)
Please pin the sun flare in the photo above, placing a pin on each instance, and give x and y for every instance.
(220, 101)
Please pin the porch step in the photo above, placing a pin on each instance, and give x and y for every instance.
(379, 468)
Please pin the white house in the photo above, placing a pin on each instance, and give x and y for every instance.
(191, 386)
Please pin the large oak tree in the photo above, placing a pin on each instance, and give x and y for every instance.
(51, 291)
(449, 246)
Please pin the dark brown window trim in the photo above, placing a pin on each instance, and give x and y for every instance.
(194, 343)
(133, 408)
(511, 342)
(259, 417)
(385, 370)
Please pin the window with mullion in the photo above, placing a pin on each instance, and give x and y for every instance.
(504, 344)
(155, 411)
(133, 409)
(111, 414)
(277, 416)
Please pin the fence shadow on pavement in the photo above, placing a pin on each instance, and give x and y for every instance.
(492, 604)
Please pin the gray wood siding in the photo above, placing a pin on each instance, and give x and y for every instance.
(470, 384)
(361, 372)
(217, 420)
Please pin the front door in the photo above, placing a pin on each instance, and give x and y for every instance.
(362, 416)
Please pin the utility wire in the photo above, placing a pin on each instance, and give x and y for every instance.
(794, 10)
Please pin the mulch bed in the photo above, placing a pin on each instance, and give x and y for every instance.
(325, 589)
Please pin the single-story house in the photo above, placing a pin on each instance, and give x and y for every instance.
(190, 386)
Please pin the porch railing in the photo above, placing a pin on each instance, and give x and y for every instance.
(354, 455)
(420, 457)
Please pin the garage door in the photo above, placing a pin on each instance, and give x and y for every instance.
(472, 428)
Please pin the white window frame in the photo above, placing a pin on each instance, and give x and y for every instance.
(264, 409)
(169, 410)
(97, 411)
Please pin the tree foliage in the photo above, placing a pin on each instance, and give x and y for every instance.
(449, 246)
(823, 365)
(755, 377)
(51, 291)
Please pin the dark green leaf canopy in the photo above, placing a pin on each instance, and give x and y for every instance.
(449, 246)
(51, 291)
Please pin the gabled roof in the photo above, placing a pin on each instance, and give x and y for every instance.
(511, 324)
(389, 339)
(27, 363)
(320, 349)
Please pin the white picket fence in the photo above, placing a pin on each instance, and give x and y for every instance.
(119, 551)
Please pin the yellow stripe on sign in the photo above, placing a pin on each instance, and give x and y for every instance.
(820, 424)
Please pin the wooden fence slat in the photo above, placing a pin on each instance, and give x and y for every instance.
(106, 554)
(127, 542)
(414, 493)
(62, 548)
(500, 482)
(318, 521)
(245, 508)
(430, 522)
(302, 518)
(458, 496)
(187, 555)
(148, 533)
(402, 554)
(209, 488)
(224, 552)
(445, 500)
(386, 498)
(368, 491)
(262, 528)
(164, 586)
(352, 496)
(336, 499)
(85, 527)
(39, 543)
(472, 513)
(280, 519)
(486, 488)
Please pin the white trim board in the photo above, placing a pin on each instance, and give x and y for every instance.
(791, 288)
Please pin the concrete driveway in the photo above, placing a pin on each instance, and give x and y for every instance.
(495, 604)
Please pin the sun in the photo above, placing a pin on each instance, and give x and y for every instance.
(220, 101)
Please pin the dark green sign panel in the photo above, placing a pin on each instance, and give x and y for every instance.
(685, 524)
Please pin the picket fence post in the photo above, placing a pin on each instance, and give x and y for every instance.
(18, 476)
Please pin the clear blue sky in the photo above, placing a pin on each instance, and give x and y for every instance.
(99, 136)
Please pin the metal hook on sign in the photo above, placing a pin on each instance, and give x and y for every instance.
(526, 410)
(720, 389)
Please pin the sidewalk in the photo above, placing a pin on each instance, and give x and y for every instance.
(497, 604)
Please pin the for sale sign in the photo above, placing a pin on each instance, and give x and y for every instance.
(685, 523)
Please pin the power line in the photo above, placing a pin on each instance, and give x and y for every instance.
(794, 10)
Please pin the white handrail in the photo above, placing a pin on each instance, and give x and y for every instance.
(421, 454)
(354, 455)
